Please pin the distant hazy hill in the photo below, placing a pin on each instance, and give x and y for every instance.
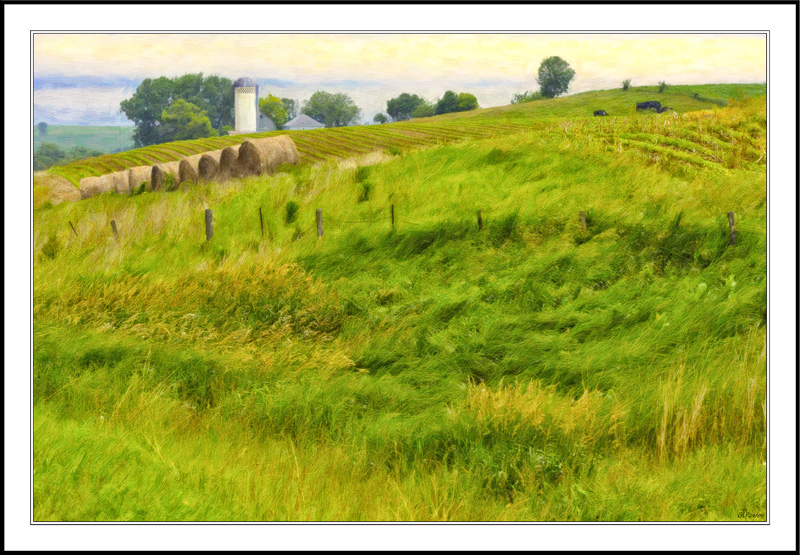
(103, 138)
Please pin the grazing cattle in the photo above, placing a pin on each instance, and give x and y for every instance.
(650, 104)
(663, 109)
(600, 113)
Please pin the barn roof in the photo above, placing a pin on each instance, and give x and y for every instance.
(303, 121)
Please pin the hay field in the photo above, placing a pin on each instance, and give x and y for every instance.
(536, 369)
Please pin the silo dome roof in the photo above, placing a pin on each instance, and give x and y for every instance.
(244, 82)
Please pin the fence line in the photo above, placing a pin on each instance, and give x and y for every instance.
(392, 219)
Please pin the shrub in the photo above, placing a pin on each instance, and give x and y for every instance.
(169, 182)
(139, 190)
(662, 86)
(394, 151)
(291, 211)
(366, 189)
(52, 246)
(527, 96)
(626, 84)
(362, 173)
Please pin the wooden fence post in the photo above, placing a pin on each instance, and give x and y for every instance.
(480, 221)
(209, 224)
(393, 215)
(114, 229)
(261, 219)
(732, 227)
(319, 222)
(583, 219)
(73, 229)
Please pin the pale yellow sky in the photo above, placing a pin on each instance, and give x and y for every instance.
(371, 56)
(373, 68)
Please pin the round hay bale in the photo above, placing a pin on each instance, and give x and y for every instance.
(188, 171)
(207, 168)
(228, 163)
(257, 156)
(139, 175)
(93, 186)
(121, 185)
(159, 171)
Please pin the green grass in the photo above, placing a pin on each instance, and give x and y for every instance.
(328, 144)
(532, 370)
(100, 138)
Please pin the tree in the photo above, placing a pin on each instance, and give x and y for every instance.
(380, 118)
(50, 154)
(527, 96)
(554, 76)
(334, 110)
(42, 128)
(626, 84)
(145, 107)
(448, 103)
(46, 155)
(212, 94)
(291, 108)
(424, 110)
(401, 107)
(273, 107)
(81, 152)
(182, 120)
(467, 102)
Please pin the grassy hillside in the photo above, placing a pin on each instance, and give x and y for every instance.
(330, 144)
(100, 138)
(535, 369)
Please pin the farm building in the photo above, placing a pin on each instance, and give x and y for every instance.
(303, 122)
(265, 124)
(245, 105)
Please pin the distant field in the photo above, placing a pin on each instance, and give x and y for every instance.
(102, 138)
(330, 144)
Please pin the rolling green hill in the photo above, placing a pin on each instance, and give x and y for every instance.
(410, 365)
(330, 144)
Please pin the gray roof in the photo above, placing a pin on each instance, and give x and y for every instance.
(303, 121)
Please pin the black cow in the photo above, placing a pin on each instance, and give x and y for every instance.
(650, 104)
(600, 113)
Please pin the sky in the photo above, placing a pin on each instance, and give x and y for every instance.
(80, 79)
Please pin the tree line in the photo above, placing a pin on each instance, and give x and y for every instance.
(193, 106)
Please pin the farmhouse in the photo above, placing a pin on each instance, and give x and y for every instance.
(303, 122)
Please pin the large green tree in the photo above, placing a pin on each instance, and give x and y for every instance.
(182, 121)
(400, 108)
(274, 108)
(333, 110)
(424, 110)
(448, 103)
(212, 94)
(466, 102)
(554, 76)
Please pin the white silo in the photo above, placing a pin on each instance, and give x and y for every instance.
(246, 105)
